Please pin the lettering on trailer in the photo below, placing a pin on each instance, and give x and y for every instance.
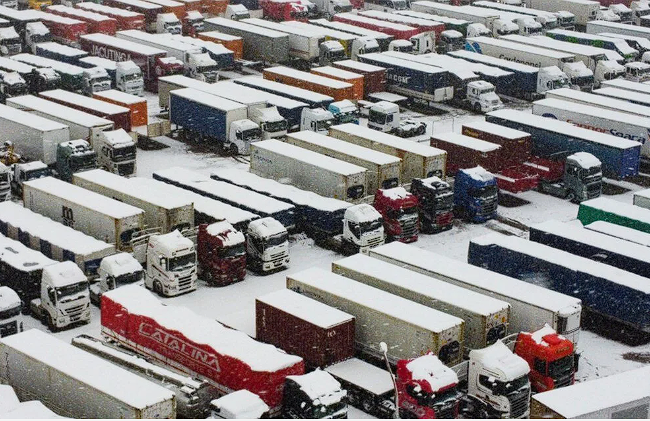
(179, 345)
(108, 53)
(518, 60)
(398, 78)
(613, 132)
(67, 216)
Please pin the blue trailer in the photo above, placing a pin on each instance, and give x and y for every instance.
(593, 245)
(236, 196)
(611, 294)
(619, 157)
(60, 52)
(420, 82)
(475, 194)
(317, 215)
(313, 99)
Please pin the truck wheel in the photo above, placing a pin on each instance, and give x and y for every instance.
(50, 323)
(367, 406)
(571, 197)
(476, 107)
(234, 150)
(157, 288)
(407, 415)
(421, 130)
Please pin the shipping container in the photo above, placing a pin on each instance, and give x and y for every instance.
(396, 30)
(624, 214)
(314, 99)
(465, 152)
(383, 170)
(96, 22)
(374, 77)
(531, 306)
(410, 329)
(320, 334)
(486, 318)
(418, 161)
(77, 384)
(149, 10)
(136, 105)
(335, 73)
(125, 19)
(231, 42)
(322, 85)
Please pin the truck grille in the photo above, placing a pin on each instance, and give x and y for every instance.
(375, 242)
(518, 404)
(409, 229)
(488, 207)
(126, 169)
(75, 312)
(185, 283)
(447, 412)
(563, 381)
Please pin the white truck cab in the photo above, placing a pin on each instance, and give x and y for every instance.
(385, 117)
(168, 22)
(267, 245)
(423, 43)
(502, 27)
(26, 171)
(128, 78)
(272, 124)
(625, 14)
(329, 52)
(401, 45)
(241, 404)
(116, 152)
(10, 43)
(10, 308)
(482, 96)
(637, 71)
(607, 15)
(35, 33)
(608, 70)
(65, 298)
(194, 19)
(551, 78)
(316, 119)
(171, 264)
(580, 76)
(477, 30)
(452, 40)
(114, 271)
(237, 12)
(95, 79)
(5, 187)
(242, 133)
(202, 67)
(363, 228)
(363, 45)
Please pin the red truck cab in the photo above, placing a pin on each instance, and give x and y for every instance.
(399, 210)
(550, 357)
(281, 10)
(221, 253)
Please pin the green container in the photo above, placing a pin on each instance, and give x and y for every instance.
(623, 214)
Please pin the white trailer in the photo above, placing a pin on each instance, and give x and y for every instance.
(164, 213)
(597, 27)
(81, 125)
(531, 306)
(91, 213)
(599, 101)
(476, 15)
(532, 56)
(76, 384)
(628, 85)
(619, 231)
(35, 138)
(383, 169)
(407, 327)
(303, 43)
(418, 161)
(486, 318)
(616, 123)
(173, 48)
(548, 20)
(625, 95)
(584, 10)
(336, 178)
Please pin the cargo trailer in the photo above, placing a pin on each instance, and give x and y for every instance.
(592, 245)
(313, 99)
(374, 77)
(515, 144)
(608, 210)
(619, 231)
(619, 157)
(136, 105)
(91, 213)
(529, 55)
(63, 30)
(322, 85)
(320, 334)
(59, 52)
(619, 124)
(475, 15)
(600, 287)
(465, 152)
(625, 95)
(548, 20)
(259, 43)
(409, 328)
(382, 39)
(82, 125)
(35, 138)
(346, 39)
(620, 46)
(231, 42)
(150, 11)
(238, 197)
(600, 101)
(583, 10)
(120, 116)
(600, 26)
(396, 30)
(335, 73)
(96, 22)
(486, 318)
(170, 6)
(56, 240)
(125, 19)
(290, 109)
(627, 85)
(76, 384)
(180, 50)
(71, 75)
(531, 306)
(423, 25)
(303, 44)
(383, 170)
(459, 25)
(418, 161)
(164, 213)
(641, 44)
(642, 198)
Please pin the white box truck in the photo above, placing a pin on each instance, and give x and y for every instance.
(76, 384)
(308, 170)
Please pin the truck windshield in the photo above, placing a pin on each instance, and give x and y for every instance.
(129, 278)
(276, 126)
(402, 212)
(277, 240)
(506, 388)
(377, 117)
(590, 172)
(86, 161)
(560, 83)
(102, 79)
(182, 262)
(207, 69)
(399, 5)
(252, 134)
(68, 290)
(122, 154)
(348, 117)
(367, 226)
(484, 192)
(11, 42)
(445, 201)
(4, 177)
(561, 367)
(323, 125)
(40, 173)
(231, 252)
(337, 55)
(132, 76)
(326, 411)
(583, 81)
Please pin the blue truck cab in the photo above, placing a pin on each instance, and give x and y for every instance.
(475, 195)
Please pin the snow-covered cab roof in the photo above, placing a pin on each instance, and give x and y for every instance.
(266, 227)
(498, 358)
(320, 387)
(241, 404)
(430, 369)
(120, 264)
(63, 274)
(226, 232)
(8, 299)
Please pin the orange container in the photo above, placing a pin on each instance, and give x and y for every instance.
(214, 7)
(355, 79)
(231, 42)
(315, 83)
(192, 5)
(136, 104)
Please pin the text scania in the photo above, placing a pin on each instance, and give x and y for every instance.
(110, 54)
(179, 345)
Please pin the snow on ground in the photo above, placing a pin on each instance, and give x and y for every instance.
(234, 305)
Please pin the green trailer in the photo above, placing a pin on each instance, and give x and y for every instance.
(612, 211)
(71, 75)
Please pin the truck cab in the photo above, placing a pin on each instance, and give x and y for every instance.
(436, 203)
(242, 134)
(639, 9)
(21, 172)
(401, 45)
(344, 112)
(12, 85)
(625, 14)
(221, 252)
(116, 152)
(475, 194)
(637, 71)
(451, 40)
(551, 77)
(482, 96)
(171, 264)
(385, 117)
(426, 388)
(65, 298)
(128, 78)
(607, 15)
(113, 272)
(423, 43)
(192, 23)
(329, 52)
(477, 30)
(167, 66)
(202, 67)
(363, 229)
(35, 33)
(272, 124)
(10, 309)
(328, 8)
(10, 43)
(241, 404)
(267, 245)
(95, 79)
(316, 119)
(502, 27)
(579, 180)
(314, 395)
(580, 77)
(168, 23)
(74, 156)
(363, 45)
(399, 210)
(237, 12)
(608, 70)
(528, 26)
(5, 188)
(44, 79)
(565, 19)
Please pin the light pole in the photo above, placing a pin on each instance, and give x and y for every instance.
(384, 349)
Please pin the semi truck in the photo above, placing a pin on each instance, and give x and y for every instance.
(28, 25)
(620, 46)
(352, 44)
(584, 11)
(125, 76)
(280, 10)
(174, 271)
(136, 105)
(233, 43)
(224, 58)
(221, 253)
(383, 40)
(475, 195)
(75, 383)
(63, 30)
(596, 27)
(344, 76)
(313, 99)
(435, 204)
(397, 30)
(608, 210)
(267, 246)
(548, 20)
(535, 57)
(430, 26)
(125, 19)
(37, 78)
(400, 213)
(464, 152)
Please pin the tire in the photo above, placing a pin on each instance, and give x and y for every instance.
(421, 130)
(476, 107)
(157, 288)
(367, 406)
(233, 149)
(571, 196)
(50, 323)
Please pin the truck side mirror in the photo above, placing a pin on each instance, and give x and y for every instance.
(163, 262)
(51, 295)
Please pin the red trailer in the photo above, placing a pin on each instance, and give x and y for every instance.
(149, 10)
(192, 5)
(424, 25)
(95, 21)
(171, 6)
(357, 4)
(320, 334)
(467, 152)
(152, 61)
(125, 18)
(64, 30)
(214, 7)
(120, 116)
(397, 30)
(374, 77)
(199, 346)
(281, 10)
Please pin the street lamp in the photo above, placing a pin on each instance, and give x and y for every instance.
(384, 349)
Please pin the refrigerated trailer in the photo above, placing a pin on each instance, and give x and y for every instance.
(303, 44)
(338, 179)
(77, 384)
(486, 318)
(374, 77)
(627, 85)
(531, 306)
(584, 10)
(407, 327)
(91, 213)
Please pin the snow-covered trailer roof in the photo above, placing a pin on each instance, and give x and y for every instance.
(242, 26)
(625, 95)
(473, 11)
(430, 16)
(15, 66)
(336, 72)
(21, 257)
(205, 98)
(247, 405)
(321, 30)
(33, 103)
(59, 19)
(599, 101)
(30, 120)
(308, 77)
(595, 112)
(235, 93)
(278, 26)
(377, 22)
(84, 101)
(103, 8)
(291, 90)
(362, 67)
(62, 49)
(140, 4)
(500, 43)
(346, 27)
(627, 85)
(271, 98)
(466, 141)
(621, 45)
(389, 61)
(366, 376)
(501, 131)
(398, 18)
(167, 3)
(310, 157)
(473, 275)
(642, 41)
(306, 308)
(569, 47)
(124, 44)
(96, 17)
(493, 61)
(39, 61)
(119, 96)
(164, 43)
(619, 25)
(99, 62)
(619, 208)
(619, 231)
